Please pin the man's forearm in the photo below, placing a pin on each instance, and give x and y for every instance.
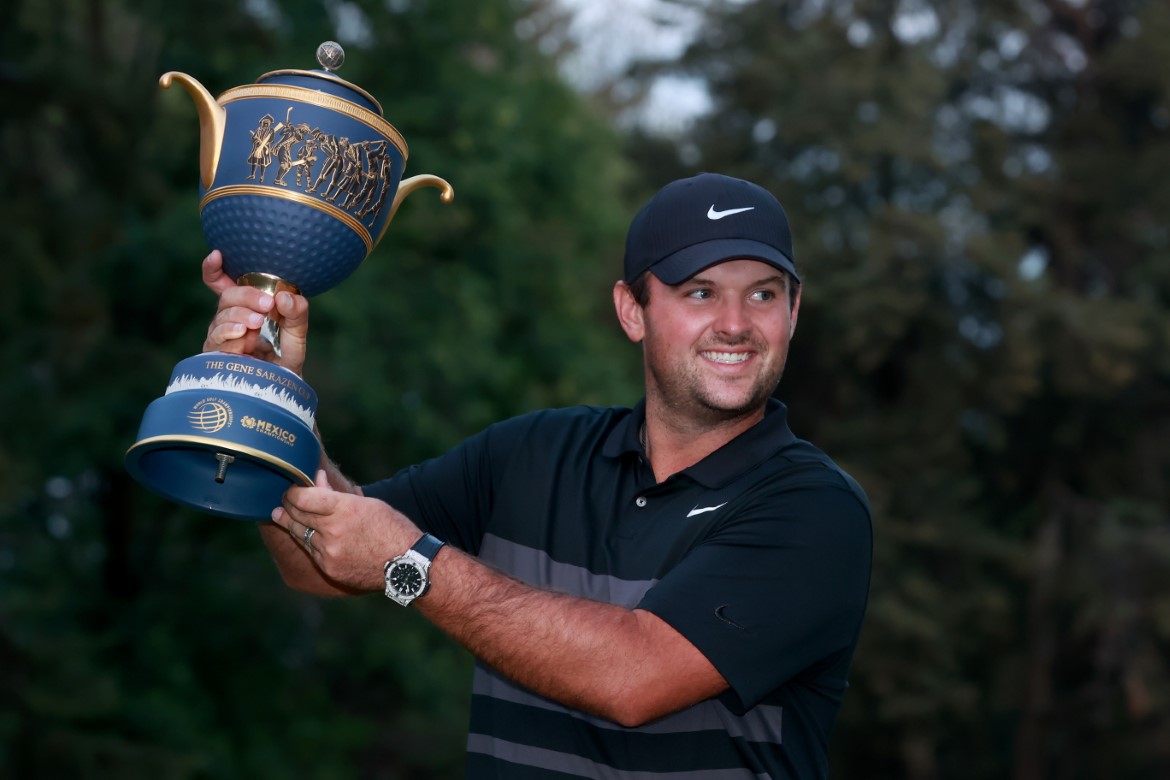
(625, 665)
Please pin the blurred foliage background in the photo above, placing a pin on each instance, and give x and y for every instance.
(979, 196)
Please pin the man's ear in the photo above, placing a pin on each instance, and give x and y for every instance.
(795, 312)
(629, 312)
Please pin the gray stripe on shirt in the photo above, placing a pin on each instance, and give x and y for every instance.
(537, 568)
(762, 723)
(759, 724)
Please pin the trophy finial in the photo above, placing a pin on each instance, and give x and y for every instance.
(331, 55)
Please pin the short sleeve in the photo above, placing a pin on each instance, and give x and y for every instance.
(449, 496)
(776, 589)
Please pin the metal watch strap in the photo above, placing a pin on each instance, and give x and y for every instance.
(428, 546)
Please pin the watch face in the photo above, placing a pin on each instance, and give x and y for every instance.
(406, 579)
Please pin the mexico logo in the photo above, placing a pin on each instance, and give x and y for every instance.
(268, 429)
(211, 415)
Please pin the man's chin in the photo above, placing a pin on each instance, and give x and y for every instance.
(732, 407)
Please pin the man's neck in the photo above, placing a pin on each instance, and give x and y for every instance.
(673, 444)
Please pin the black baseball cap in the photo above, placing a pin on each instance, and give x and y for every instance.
(694, 223)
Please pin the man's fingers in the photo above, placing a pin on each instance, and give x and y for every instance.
(241, 313)
(292, 306)
(294, 312)
(225, 338)
(245, 297)
(213, 274)
(236, 337)
(246, 307)
(297, 530)
(305, 502)
(281, 517)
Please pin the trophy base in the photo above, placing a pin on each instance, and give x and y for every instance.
(230, 435)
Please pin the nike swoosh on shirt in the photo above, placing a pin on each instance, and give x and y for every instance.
(701, 509)
(720, 612)
(713, 214)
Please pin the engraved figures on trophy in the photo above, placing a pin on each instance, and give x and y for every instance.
(353, 175)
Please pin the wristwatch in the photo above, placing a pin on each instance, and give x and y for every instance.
(408, 575)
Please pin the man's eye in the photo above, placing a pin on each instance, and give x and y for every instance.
(701, 293)
(763, 295)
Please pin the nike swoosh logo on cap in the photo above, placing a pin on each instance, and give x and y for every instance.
(713, 214)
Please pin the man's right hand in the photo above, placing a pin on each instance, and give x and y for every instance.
(241, 311)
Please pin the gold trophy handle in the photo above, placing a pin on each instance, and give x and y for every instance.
(212, 120)
(408, 186)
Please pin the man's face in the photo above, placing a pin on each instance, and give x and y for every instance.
(714, 346)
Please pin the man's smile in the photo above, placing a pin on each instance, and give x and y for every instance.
(729, 358)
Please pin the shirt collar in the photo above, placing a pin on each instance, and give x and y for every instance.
(744, 452)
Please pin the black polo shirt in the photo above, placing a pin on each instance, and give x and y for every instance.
(759, 555)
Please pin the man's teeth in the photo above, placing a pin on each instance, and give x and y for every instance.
(727, 357)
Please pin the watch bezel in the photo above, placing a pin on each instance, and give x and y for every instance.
(414, 561)
(417, 560)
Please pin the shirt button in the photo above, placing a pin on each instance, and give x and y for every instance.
(640, 501)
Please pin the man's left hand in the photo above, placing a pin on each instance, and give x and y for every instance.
(351, 537)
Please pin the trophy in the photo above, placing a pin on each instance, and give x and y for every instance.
(300, 174)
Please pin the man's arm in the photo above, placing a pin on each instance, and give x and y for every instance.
(235, 329)
(625, 665)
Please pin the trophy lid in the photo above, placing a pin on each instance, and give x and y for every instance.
(331, 57)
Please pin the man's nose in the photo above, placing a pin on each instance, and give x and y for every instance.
(733, 317)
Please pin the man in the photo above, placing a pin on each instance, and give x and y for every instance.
(673, 590)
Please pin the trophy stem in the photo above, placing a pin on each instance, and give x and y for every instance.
(270, 330)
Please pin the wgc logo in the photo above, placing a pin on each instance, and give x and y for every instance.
(211, 415)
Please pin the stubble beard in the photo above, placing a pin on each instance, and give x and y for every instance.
(687, 391)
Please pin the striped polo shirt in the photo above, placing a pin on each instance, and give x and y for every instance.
(759, 555)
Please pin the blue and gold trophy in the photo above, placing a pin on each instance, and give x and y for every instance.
(300, 174)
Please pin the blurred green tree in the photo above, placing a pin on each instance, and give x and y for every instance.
(138, 639)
